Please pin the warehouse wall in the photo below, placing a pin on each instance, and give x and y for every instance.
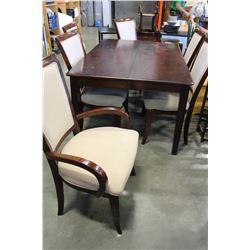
(122, 9)
(130, 9)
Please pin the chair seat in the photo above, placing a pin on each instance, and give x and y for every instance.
(104, 96)
(113, 149)
(159, 100)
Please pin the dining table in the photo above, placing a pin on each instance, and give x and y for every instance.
(134, 65)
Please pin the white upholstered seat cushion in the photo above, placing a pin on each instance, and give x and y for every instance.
(104, 96)
(160, 100)
(113, 149)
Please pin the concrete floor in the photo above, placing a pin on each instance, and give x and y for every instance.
(163, 207)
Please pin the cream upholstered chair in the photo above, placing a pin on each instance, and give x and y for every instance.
(167, 102)
(73, 50)
(125, 28)
(98, 161)
(193, 46)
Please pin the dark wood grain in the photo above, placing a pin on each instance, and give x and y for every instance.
(109, 59)
(158, 62)
(141, 65)
(134, 61)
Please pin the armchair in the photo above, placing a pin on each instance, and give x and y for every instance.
(98, 161)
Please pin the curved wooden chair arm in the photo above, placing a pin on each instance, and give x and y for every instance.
(88, 165)
(105, 111)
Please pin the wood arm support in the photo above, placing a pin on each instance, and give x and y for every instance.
(105, 111)
(90, 166)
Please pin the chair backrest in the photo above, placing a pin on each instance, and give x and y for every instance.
(70, 27)
(71, 47)
(58, 115)
(63, 20)
(199, 70)
(193, 46)
(125, 28)
(73, 27)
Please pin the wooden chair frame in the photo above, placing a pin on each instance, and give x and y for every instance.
(54, 157)
(150, 112)
(197, 48)
(69, 27)
(150, 15)
(64, 37)
(203, 118)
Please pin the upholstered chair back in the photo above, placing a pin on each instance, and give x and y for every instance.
(71, 46)
(57, 114)
(126, 28)
(196, 38)
(200, 65)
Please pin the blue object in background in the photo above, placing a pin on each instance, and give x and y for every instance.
(98, 23)
(53, 23)
(98, 13)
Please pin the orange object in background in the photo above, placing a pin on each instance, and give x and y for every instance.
(159, 16)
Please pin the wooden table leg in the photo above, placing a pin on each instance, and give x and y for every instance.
(99, 36)
(76, 98)
(180, 118)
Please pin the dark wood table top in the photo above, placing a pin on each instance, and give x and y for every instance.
(142, 65)
(135, 61)
(179, 33)
(107, 30)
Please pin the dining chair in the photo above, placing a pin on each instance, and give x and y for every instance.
(143, 15)
(73, 27)
(125, 28)
(159, 102)
(73, 50)
(193, 46)
(97, 161)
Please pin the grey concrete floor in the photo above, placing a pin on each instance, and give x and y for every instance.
(163, 207)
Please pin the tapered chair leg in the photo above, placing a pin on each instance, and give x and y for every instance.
(125, 104)
(133, 173)
(60, 196)
(186, 125)
(143, 109)
(59, 186)
(148, 120)
(114, 205)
